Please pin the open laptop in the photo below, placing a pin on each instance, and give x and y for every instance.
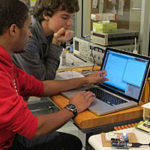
(127, 73)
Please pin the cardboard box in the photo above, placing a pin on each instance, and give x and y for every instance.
(104, 27)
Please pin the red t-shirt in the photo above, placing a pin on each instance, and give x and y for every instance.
(15, 117)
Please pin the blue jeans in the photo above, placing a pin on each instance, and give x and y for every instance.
(52, 141)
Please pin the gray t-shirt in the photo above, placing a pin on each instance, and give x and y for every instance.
(40, 58)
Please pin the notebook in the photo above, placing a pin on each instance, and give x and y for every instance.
(127, 74)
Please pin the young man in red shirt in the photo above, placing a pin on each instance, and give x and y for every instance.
(19, 128)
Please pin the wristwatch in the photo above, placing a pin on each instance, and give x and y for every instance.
(72, 108)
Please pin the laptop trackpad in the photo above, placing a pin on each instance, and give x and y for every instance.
(69, 94)
(100, 108)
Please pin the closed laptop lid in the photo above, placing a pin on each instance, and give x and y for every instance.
(127, 73)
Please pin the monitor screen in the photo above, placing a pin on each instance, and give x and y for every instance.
(126, 73)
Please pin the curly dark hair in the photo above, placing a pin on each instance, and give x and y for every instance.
(49, 7)
(12, 12)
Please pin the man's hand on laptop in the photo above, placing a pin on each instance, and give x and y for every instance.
(82, 100)
(97, 77)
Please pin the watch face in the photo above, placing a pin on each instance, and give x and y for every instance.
(72, 108)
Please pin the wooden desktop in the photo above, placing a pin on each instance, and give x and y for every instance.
(88, 119)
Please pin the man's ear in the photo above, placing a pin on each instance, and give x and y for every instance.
(46, 17)
(13, 29)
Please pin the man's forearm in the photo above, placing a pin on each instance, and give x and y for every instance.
(51, 122)
(56, 42)
(54, 87)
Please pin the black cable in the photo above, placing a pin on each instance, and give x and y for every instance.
(138, 144)
(94, 62)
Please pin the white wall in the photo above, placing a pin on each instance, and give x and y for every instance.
(86, 18)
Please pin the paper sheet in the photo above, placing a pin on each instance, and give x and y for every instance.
(68, 75)
(95, 3)
(121, 7)
(147, 105)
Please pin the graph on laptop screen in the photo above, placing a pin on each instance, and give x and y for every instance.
(125, 73)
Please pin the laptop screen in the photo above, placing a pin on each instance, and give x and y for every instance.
(126, 72)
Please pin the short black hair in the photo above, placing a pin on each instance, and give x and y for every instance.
(49, 7)
(12, 12)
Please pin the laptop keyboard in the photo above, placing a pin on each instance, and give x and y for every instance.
(106, 97)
